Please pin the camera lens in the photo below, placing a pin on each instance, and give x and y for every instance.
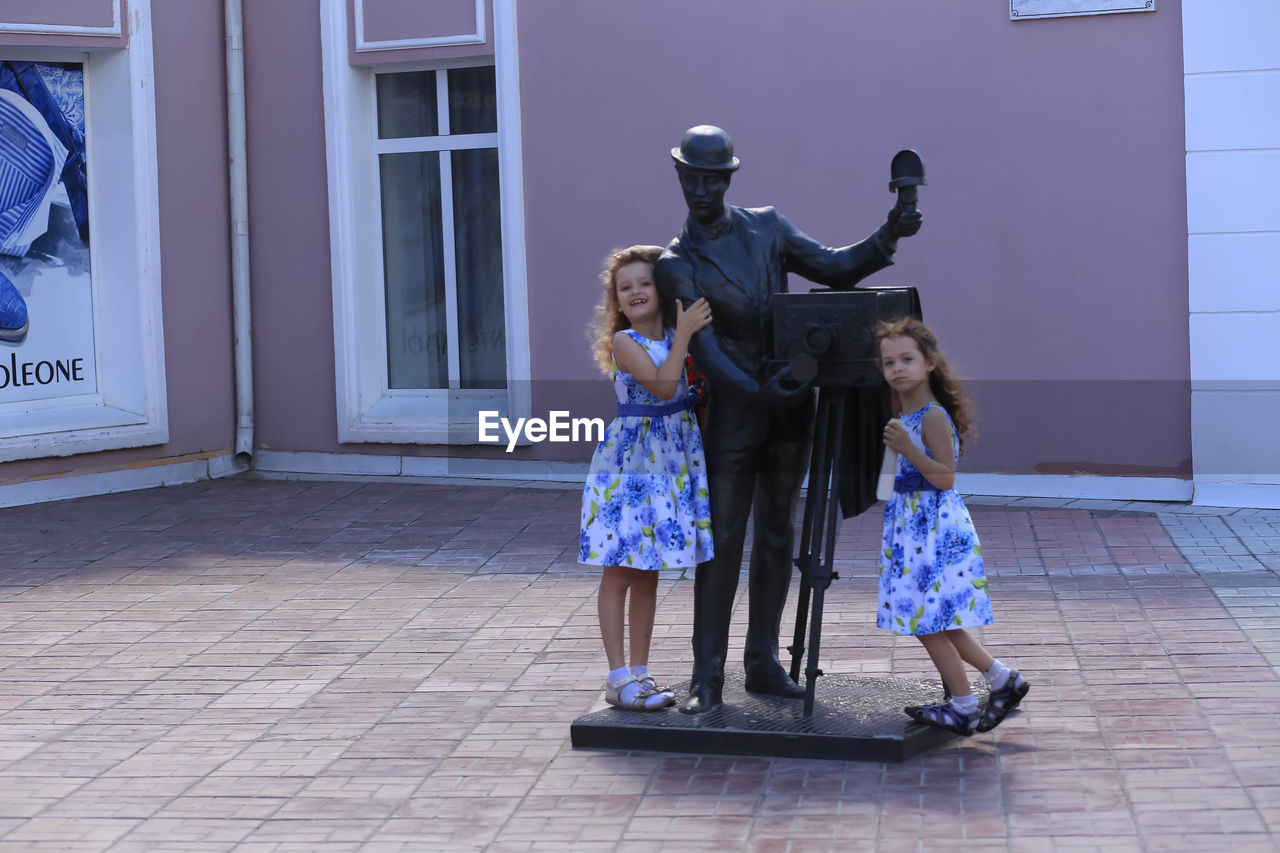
(818, 338)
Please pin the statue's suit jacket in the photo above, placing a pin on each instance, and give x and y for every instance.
(738, 273)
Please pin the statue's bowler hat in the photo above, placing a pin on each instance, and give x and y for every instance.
(706, 147)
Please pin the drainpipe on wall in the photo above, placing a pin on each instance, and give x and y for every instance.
(239, 231)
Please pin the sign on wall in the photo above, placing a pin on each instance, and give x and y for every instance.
(46, 300)
(1019, 9)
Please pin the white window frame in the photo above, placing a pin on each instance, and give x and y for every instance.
(68, 29)
(369, 411)
(443, 143)
(363, 45)
(129, 408)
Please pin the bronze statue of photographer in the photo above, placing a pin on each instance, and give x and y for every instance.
(760, 421)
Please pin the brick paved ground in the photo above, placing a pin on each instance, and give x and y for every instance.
(315, 666)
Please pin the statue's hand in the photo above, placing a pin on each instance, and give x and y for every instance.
(783, 388)
(904, 221)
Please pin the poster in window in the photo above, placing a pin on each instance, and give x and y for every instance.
(46, 300)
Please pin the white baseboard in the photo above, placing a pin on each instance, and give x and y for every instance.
(416, 467)
(998, 485)
(1077, 487)
(225, 466)
(338, 464)
(125, 480)
(365, 465)
(1256, 495)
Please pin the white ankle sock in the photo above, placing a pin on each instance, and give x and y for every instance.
(629, 692)
(996, 675)
(640, 673)
(965, 704)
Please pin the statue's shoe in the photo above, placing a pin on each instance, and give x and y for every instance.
(702, 698)
(13, 312)
(773, 681)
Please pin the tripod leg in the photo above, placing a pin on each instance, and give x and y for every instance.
(802, 617)
(812, 672)
(811, 511)
(810, 536)
(829, 488)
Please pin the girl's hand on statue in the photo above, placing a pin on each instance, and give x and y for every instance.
(897, 438)
(693, 318)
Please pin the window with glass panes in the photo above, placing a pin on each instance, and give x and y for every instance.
(437, 150)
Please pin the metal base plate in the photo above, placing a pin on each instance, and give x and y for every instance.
(855, 718)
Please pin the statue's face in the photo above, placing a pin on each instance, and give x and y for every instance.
(704, 193)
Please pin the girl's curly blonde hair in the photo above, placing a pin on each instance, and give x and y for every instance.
(609, 319)
(942, 379)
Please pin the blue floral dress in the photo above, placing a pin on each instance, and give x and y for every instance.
(646, 503)
(931, 573)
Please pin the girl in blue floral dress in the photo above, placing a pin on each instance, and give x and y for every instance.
(645, 506)
(932, 582)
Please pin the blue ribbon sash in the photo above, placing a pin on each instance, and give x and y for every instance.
(913, 481)
(645, 410)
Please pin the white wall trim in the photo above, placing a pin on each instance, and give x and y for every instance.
(413, 467)
(115, 30)
(129, 408)
(124, 480)
(1256, 495)
(995, 485)
(341, 93)
(365, 466)
(460, 142)
(476, 37)
(147, 217)
(1231, 68)
(506, 59)
(367, 411)
(1077, 487)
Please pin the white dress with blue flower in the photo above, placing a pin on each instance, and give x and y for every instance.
(646, 503)
(931, 573)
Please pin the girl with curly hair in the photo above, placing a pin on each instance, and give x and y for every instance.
(932, 581)
(645, 506)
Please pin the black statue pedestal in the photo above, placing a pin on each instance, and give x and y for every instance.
(856, 718)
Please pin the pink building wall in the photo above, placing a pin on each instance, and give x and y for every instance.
(294, 387)
(1053, 246)
(1052, 262)
(195, 234)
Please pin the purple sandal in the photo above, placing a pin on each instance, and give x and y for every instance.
(944, 716)
(1003, 700)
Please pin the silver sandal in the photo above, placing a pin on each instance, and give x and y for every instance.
(653, 687)
(639, 702)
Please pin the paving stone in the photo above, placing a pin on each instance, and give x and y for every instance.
(307, 665)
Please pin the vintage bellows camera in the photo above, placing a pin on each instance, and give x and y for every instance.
(828, 336)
